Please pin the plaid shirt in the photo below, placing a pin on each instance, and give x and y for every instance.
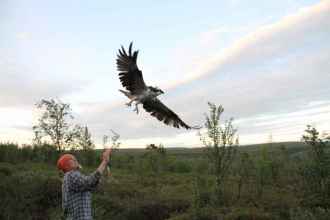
(76, 194)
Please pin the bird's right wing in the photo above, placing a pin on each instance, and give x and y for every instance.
(129, 73)
(160, 111)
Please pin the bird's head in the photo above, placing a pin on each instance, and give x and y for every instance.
(156, 90)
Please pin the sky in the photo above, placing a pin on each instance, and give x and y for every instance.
(266, 62)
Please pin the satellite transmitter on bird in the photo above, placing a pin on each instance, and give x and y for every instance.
(132, 79)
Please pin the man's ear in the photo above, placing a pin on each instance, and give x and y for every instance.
(70, 164)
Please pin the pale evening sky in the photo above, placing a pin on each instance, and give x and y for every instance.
(266, 62)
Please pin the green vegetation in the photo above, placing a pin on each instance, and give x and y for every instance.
(222, 180)
(264, 182)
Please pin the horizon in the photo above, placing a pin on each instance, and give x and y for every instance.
(268, 65)
(99, 147)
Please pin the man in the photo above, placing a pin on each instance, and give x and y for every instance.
(76, 187)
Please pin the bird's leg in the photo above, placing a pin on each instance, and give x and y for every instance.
(131, 101)
(129, 104)
(136, 108)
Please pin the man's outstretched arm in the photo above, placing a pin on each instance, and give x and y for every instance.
(80, 182)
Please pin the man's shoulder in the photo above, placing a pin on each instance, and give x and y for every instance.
(72, 173)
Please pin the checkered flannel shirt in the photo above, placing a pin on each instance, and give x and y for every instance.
(76, 194)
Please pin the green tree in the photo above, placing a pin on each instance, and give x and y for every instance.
(84, 138)
(54, 123)
(316, 172)
(37, 138)
(220, 144)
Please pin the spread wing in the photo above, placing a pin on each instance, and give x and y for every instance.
(129, 74)
(160, 111)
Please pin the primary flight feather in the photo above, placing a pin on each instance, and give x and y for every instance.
(137, 91)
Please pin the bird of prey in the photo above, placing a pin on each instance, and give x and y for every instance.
(132, 79)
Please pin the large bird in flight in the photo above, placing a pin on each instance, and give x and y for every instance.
(132, 79)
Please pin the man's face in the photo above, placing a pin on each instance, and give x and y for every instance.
(74, 164)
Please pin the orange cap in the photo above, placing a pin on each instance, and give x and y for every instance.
(63, 162)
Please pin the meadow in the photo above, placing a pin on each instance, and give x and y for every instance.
(266, 181)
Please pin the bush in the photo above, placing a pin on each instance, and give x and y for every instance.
(307, 214)
(180, 166)
(28, 195)
(249, 213)
(6, 169)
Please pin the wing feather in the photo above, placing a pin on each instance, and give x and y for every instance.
(129, 74)
(160, 111)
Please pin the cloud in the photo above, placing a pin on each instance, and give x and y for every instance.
(211, 37)
(275, 71)
(21, 86)
(16, 124)
(23, 35)
(273, 40)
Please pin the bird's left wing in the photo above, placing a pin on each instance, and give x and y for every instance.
(130, 75)
(160, 111)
